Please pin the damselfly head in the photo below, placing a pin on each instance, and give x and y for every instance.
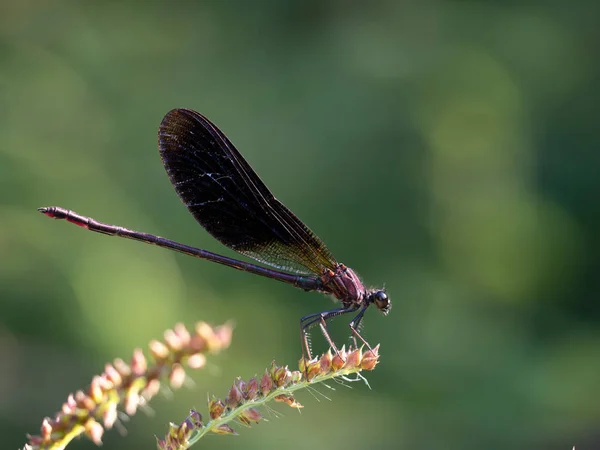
(381, 301)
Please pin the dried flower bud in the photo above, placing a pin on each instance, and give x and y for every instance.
(185, 430)
(159, 350)
(196, 361)
(353, 359)
(313, 369)
(196, 418)
(177, 376)
(80, 396)
(197, 344)
(46, 428)
(234, 397)
(289, 400)
(241, 384)
(266, 384)
(302, 364)
(282, 376)
(172, 439)
(94, 430)
(339, 359)
(110, 415)
(183, 334)
(88, 403)
(96, 391)
(296, 377)
(112, 375)
(138, 363)
(151, 389)
(216, 408)
(325, 362)
(122, 367)
(68, 407)
(161, 444)
(173, 341)
(224, 429)
(132, 401)
(273, 368)
(224, 333)
(370, 359)
(252, 388)
(206, 332)
(250, 415)
(71, 403)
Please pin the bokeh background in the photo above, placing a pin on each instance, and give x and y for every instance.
(447, 149)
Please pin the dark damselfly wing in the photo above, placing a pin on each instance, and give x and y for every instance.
(230, 201)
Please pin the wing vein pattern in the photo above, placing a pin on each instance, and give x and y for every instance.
(230, 201)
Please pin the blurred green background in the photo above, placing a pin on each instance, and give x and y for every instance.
(447, 149)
